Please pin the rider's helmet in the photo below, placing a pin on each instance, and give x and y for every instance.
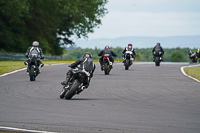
(130, 45)
(35, 44)
(107, 47)
(87, 55)
(158, 43)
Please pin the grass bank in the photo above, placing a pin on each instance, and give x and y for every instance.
(193, 72)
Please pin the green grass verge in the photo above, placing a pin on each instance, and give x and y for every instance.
(8, 66)
(193, 72)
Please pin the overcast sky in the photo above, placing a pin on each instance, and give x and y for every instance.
(158, 18)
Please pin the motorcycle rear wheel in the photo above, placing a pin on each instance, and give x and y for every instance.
(106, 69)
(73, 90)
(31, 74)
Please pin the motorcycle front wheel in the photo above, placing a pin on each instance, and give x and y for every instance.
(157, 62)
(126, 64)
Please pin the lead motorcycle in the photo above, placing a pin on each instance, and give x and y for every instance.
(75, 84)
(128, 59)
(158, 57)
(33, 67)
(107, 64)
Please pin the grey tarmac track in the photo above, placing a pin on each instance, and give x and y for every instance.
(144, 99)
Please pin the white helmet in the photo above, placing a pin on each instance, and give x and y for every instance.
(35, 44)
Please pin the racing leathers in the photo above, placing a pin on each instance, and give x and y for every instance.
(158, 48)
(81, 64)
(106, 51)
(34, 50)
(129, 49)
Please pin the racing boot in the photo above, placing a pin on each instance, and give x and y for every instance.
(65, 82)
(26, 63)
(39, 68)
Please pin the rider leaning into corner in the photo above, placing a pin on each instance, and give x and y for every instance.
(129, 48)
(158, 48)
(34, 50)
(106, 51)
(85, 63)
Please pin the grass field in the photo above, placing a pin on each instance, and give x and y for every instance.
(193, 72)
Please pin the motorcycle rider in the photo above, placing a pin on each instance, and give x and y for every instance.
(159, 49)
(129, 48)
(190, 53)
(85, 63)
(198, 54)
(106, 51)
(34, 50)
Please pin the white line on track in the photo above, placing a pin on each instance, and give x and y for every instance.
(24, 130)
(182, 70)
(12, 72)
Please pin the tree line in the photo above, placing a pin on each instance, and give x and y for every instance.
(143, 54)
(50, 22)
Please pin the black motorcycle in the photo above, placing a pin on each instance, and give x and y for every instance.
(158, 57)
(33, 67)
(128, 59)
(107, 64)
(193, 58)
(75, 85)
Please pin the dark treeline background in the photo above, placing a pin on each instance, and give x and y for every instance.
(50, 22)
(143, 54)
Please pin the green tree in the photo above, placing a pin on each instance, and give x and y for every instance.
(177, 56)
(51, 22)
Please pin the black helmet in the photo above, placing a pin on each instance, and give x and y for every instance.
(87, 55)
(158, 43)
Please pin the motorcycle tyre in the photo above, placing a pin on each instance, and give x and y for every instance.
(127, 65)
(31, 74)
(157, 62)
(73, 90)
(106, 69)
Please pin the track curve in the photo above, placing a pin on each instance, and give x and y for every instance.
(144, 99)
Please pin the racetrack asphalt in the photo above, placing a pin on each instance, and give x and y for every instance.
(143, 99)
